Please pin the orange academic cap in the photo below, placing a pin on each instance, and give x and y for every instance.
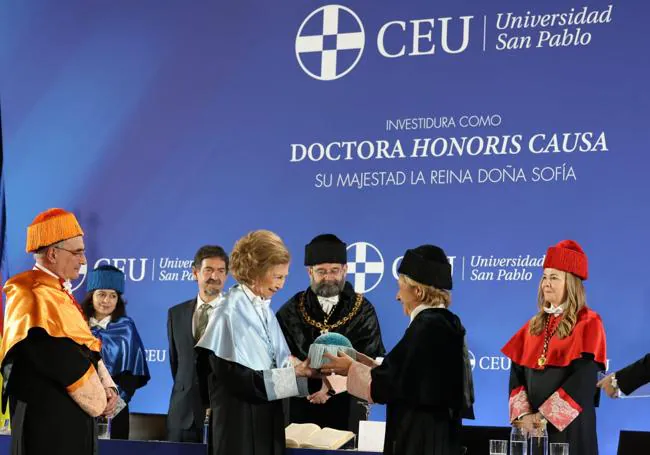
(51, 226)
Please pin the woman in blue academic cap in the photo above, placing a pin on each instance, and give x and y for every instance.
(122, 349)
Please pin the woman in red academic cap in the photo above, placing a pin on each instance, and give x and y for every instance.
(556, 356)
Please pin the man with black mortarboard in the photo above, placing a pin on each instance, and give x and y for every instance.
(329, 304)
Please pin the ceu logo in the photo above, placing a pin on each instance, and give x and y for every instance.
(472, 359)
(366, 265)
(82, 277)
(330, 42)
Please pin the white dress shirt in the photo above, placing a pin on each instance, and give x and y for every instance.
(67, 285)
(555, 310)
(328, 303)
(261, 305)
(418, 309)
(101, 324)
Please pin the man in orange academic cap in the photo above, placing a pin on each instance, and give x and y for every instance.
(55, 381)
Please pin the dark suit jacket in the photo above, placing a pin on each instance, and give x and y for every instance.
(186, 407)
(634, 376)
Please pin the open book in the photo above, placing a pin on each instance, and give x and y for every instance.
(311, 436)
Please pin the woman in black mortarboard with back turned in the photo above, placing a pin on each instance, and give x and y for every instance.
(426, 379)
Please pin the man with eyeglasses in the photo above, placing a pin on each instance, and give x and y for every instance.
(55, 381)
(329, 305)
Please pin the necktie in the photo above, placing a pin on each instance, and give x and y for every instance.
(202, 322)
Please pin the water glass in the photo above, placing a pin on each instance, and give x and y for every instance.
(559, 448)
(206, 426)
(538, 442)
(5, 426)
(498, 447)
(103, 427)
(518, 440)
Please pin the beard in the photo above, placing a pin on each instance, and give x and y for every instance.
(212, 287)
(327, 288)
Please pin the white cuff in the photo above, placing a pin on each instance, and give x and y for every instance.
(614, 382)
(282, 383)
(105, 376)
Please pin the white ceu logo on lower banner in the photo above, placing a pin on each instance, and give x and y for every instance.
(83, 270)
(365, 265)
(134, 269)
(331, 40)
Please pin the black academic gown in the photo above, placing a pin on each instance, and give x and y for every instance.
(44, 418)
(342, 411)
(422, 382)
(243, 420)
(564, 389)
(634, 375)
(578, 384)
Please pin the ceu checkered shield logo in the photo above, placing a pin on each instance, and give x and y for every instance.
(82, 277)
(330, 42)
(365, 265)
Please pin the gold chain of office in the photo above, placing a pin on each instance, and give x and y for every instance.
(325, 326)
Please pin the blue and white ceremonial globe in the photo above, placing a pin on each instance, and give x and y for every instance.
(331, 343)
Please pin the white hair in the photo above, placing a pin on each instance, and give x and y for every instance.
(42, 251)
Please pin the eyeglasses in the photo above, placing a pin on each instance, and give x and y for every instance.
(76, 253)
(321, 273)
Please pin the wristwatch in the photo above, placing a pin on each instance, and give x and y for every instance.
(331, 392)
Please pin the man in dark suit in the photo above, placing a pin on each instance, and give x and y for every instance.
(628, 379)
(186, 322)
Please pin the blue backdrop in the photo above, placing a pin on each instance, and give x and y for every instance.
(493, 129)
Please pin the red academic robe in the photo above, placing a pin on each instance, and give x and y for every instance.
(564, 389)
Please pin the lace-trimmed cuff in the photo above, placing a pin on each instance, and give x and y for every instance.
(560, 409)
(518, 403)
(283, 383)
(88, 393)
(105, 376)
